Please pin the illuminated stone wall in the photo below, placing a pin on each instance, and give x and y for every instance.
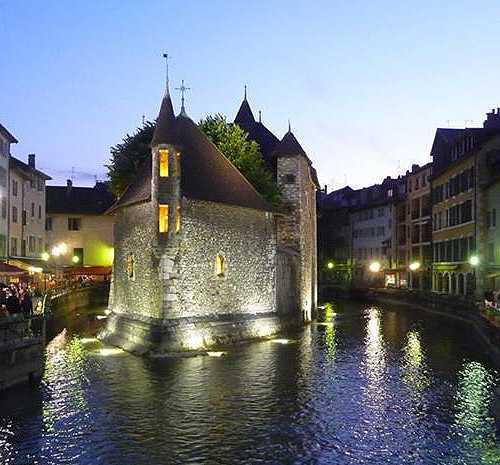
(135, 233)
(244, 237)
(297, 230)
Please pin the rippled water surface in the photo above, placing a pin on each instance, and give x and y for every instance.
(374, 385)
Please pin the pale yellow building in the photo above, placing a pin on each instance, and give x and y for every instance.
(77, 231)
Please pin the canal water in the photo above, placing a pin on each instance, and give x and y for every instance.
(372, 385)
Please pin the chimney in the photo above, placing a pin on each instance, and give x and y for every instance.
(326, 187)
(31, 160)
(492, 120)
(69, 183)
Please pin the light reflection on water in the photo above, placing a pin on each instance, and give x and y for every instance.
(373, 386)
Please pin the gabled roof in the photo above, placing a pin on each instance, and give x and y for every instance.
(7, 135)
(25, 169)
(264, 137)
(78, 200)
(206, 174)
(244, 114)
(165, 128)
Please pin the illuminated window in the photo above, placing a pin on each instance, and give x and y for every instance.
(130, 266)
(163, 218)
(163, 163)
(178, 220)
(220, 266)
(178, 163)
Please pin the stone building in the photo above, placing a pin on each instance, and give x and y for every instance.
(6, 139)
(75, 218)
(198, 260)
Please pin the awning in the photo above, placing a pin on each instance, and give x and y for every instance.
(9, 270)
(32, 264)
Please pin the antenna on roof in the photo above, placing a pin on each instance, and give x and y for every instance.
(183, 89)
(167, 91)
(143, 118)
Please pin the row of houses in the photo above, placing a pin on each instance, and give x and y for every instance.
(42, 227)
(434, 228)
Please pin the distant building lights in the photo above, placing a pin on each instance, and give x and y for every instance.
(375, 267)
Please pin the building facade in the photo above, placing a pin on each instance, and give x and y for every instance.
(76, 220)
(6, 139)
(27, 211)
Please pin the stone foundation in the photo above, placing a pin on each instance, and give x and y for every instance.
(145, 335)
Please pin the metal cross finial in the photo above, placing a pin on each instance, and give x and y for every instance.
(183, 89)
(167, 91)
(245, 97)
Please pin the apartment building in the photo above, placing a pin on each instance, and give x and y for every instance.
(6, 139)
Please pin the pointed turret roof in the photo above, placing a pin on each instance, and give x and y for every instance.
(244, 114)
(165, 124)
(289, 146)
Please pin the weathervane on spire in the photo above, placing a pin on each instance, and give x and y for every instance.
(167, 91)
(183, 89)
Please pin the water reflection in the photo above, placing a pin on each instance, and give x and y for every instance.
(415, 372)
(368, 386)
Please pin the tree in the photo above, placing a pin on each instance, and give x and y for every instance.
(127, 156)
(244, 154)
(230, 139)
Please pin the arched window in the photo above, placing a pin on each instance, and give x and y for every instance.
(163, 218)
(130, 266)
(163, 163)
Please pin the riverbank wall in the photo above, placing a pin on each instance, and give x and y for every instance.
(22, 344)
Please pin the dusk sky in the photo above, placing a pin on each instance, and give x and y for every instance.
(364, 83)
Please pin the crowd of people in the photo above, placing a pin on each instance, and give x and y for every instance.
(16, 299)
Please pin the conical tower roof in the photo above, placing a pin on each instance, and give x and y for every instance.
(289, 145)
(165, 132)
(244, 114)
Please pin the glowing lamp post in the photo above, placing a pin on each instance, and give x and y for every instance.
(329, 265)
(474, 260)
(374, 267)
(414, 266)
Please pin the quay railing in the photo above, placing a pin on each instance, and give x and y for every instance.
(18, 328)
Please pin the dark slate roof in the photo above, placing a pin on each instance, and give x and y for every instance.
(139, 189)
(165, 128)
(206, 174)
(289, 145)
(15, 163)
(244, 114)
(78, 200)
(264, 137)
(8, 135)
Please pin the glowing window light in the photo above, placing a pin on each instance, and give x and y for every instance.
(163, 218)
(178, 163)
(375, 267)
(414, 266)
(178, 219)
(130, 266)
(163, 163)
(220, 265)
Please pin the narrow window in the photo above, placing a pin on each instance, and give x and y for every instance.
(220, 266)
(178, 163)
(163, 218)
(163, 163)
(178, 220)
(130, 266)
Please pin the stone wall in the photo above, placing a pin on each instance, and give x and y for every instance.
(135, 233)
(297, 228)
(246, 240)
(288, 283)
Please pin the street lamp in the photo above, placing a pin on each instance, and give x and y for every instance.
(329, 265)
(75, 259)
(375, 267)
(474, 260)
(414, 266)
